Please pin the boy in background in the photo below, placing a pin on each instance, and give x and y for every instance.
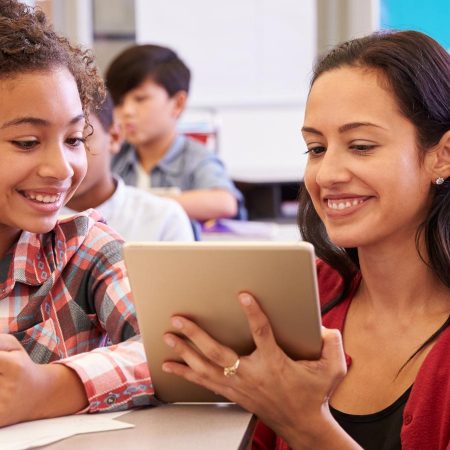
(149, 85)
(135, 214)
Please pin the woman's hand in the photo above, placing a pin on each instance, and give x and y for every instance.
(289, 396)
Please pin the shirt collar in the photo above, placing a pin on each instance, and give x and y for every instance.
(31, 261)
(171, 163)
(35, 258)
(127, 158)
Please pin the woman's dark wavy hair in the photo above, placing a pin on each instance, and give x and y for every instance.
(417, 71)
(28, 44)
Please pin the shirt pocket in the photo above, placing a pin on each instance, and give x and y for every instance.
(41, 342)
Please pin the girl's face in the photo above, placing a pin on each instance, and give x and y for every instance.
(42, 154)
(364, 174)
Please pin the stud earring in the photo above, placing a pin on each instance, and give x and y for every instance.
(439, 180)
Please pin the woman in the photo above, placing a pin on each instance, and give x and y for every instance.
(377, 209)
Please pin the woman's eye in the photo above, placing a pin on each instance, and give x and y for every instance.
(25, 145)
(315, 151)
(362, 147)
(140, 98)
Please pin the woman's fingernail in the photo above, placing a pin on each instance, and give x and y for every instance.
(245, 299)
(177, 323)
(169, 341)
(166, 368)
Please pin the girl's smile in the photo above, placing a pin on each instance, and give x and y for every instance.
(42, 149)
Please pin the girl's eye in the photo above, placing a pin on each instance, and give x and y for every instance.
(315, 151)
(140, 98)
(76, 141)
(25, 145)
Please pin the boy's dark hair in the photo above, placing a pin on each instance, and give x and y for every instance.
(140, 62)
(28, 43)
(105, 112)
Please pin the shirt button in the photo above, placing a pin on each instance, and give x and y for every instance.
(111, 399)
(408, 419)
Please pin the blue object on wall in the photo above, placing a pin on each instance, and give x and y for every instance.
(430, 17)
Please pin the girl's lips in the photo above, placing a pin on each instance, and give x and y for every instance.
(48, 201)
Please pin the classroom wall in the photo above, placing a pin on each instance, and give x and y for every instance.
(251, 62)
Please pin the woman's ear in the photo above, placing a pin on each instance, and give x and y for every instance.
(441, 160)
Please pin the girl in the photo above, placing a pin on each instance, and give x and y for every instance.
(376, 207)
(64, 295)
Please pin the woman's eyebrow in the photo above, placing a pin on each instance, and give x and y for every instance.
(311, 130)
(30, 120)
(352, 125)
(343, 128)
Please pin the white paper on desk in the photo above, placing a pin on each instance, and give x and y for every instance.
(42, 432)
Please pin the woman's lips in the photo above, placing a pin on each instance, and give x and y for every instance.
(342, 206)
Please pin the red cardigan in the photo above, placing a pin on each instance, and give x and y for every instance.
(426, 417)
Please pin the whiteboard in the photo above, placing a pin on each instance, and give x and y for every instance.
(240, 52)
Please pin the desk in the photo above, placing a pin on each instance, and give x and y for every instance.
(167, 427)
(266, 199)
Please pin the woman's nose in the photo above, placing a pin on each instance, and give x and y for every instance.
(333, 168)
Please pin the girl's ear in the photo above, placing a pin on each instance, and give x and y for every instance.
(441, 161)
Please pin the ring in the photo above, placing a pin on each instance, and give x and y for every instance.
(231, 370)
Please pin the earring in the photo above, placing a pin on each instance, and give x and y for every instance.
(439, 180)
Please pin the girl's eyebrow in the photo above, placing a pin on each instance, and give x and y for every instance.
(29, 120)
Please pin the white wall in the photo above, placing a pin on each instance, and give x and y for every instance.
(251, 61)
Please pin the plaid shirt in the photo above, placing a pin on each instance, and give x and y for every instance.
(65, 296)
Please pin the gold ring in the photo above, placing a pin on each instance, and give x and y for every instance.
(231, 370)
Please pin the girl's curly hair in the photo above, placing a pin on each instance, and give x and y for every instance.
(28, 43)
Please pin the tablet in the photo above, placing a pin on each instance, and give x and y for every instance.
(201, 280)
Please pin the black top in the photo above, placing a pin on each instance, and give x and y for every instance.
(377, 431)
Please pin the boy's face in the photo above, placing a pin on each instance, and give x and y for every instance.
(147, 114)
(42, 152)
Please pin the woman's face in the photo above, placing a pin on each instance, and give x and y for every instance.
(42, 154)
(364, 174)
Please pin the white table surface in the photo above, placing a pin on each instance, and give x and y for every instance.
(177, 426)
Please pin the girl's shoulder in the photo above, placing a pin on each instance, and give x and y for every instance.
(85, 232)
